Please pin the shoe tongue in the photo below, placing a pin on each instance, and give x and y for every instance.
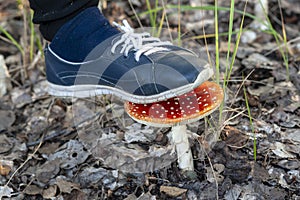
(82, 34)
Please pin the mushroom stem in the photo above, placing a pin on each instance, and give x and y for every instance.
(182, 146)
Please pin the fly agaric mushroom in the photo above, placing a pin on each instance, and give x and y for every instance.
(176, 113)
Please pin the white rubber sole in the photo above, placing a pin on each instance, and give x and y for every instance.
(83, 91)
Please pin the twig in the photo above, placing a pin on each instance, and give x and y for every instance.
(28, 158)
(288, 43)
(64, 132)
(135, 14)
(35, 60)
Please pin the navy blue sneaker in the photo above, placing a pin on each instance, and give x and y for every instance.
(90, 57)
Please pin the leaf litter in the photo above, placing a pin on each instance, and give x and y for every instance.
(90, 148)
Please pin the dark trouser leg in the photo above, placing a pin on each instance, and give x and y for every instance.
(52, 14)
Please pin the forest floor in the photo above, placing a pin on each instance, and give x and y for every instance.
(56, 148)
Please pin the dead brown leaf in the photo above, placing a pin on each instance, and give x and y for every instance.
(33, 190)
(50, 192)
(172, 191)
(66, 186)
(5, 167)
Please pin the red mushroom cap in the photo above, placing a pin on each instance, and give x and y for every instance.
(183, 109)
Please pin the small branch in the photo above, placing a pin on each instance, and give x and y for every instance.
(29, 157)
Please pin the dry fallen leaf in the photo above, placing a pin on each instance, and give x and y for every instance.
(47, 171)
(33, 190)
(70, 154)
(4, 170)
(279, 149)
(50, 192)
(172, 191)
(5, 191)
(65, 186)
(7, 119)
(6, 143)
(5, 167)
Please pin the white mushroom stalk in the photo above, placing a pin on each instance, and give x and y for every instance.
(182, 147)
(176, 113)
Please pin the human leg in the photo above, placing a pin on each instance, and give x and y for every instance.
(52, 14)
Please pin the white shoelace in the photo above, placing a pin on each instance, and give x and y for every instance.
(142, 43)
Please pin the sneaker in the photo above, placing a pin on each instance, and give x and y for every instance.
(116, 60)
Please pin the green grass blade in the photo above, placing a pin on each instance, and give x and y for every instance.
(155, 14)
(161, 23)
(230, 30)
(212, 35)
(151, 16)
(179, 42)
(11, 39)
(217, 43)
(278, 38)
(236, 46)
(190, 8)
(32, 36)
(251, 123)
(284, 55)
